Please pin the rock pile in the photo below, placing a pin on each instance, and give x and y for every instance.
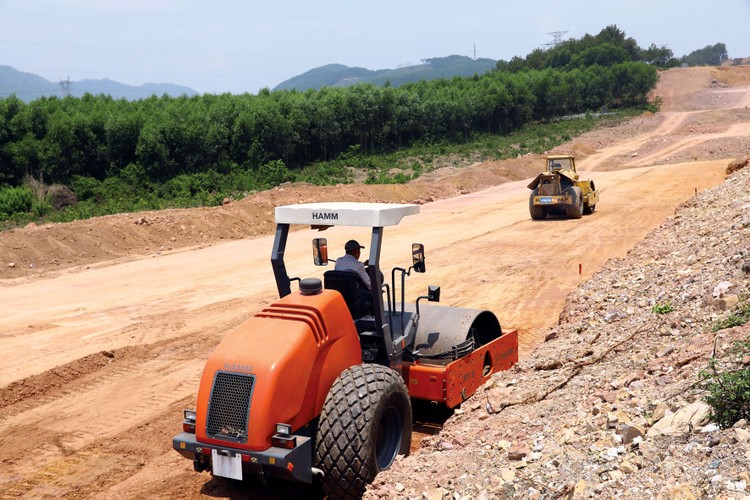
(611, 405)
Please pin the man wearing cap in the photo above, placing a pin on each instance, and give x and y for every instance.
(350, 262)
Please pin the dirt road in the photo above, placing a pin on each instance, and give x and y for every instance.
(97, 363)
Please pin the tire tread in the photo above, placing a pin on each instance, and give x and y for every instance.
(342, 450)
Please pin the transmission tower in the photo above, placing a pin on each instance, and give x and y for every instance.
(556, 38)
(475, 51)
(64, 87)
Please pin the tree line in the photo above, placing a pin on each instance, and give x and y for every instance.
(58, 140)
(610, 46)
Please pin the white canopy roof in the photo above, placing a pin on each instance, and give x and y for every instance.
(345, 214)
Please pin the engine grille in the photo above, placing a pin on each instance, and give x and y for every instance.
(229, 406)
(548, 187)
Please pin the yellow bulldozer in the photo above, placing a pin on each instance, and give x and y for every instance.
(559, 191)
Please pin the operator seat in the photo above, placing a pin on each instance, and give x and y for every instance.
(351, 287)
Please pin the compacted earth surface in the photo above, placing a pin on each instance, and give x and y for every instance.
(107, 322)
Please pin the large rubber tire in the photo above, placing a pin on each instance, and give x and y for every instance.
(364, 425)
(575, 211)
(589, 209)
(536, 212)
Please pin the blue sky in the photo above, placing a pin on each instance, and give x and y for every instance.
(242, 46)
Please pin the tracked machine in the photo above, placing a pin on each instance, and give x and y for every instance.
(559, 190)
(319, 385)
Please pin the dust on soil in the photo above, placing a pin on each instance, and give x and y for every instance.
(97, 364)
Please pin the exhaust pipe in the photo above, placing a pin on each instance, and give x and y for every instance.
(317, 473)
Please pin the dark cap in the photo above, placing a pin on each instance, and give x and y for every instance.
(352, 245)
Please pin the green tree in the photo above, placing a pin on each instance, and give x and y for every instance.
(633, 82)
(658, 56)
(710, 55)
(605, 54)
(122, 131)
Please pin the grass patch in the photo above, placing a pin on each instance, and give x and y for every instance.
(665, 308)
(739, 317)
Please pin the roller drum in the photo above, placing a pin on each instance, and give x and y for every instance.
(441, 327)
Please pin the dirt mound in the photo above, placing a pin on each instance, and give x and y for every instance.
(580, 150)
(738, 164)
(35, 250)
(52, 381)
(732, 76)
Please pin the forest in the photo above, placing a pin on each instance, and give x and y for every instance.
(93, 155)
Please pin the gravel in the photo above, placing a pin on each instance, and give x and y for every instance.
(611, 405)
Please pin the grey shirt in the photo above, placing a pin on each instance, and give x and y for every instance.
(350, 263)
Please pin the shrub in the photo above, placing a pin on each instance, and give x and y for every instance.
(728, 386)
(40, 208)
(273, 173)
(662, 308)
(14, 200)
(655, 104)
(380, 177)
(36, 186)
(86, 188)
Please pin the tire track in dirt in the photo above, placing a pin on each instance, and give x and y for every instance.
(672, 121)
(118, 401)
(734, 131)
(534, 264)
(48, 435)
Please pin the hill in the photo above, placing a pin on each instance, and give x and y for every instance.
(339, 75)
(28, 86)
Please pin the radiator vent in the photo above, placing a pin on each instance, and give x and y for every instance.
(229, 406)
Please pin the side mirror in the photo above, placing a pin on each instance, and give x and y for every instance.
(417, 257)
(320, 251)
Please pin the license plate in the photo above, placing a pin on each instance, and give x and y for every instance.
(226, 466)
(545, 200)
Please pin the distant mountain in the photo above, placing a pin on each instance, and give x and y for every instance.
(338, 75)
(28, 86)
(330, 75)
